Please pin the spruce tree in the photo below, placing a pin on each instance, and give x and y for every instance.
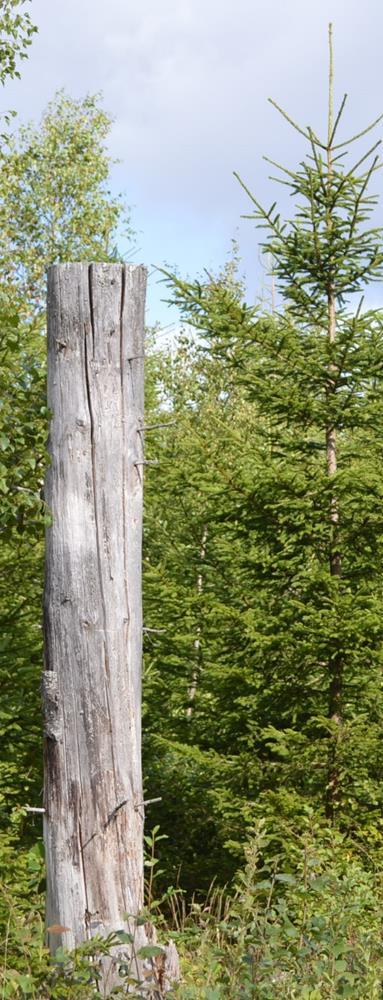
(312, 520)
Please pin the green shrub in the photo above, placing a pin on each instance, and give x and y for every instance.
(304, 923)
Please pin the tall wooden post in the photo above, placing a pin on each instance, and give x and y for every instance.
(93, 622)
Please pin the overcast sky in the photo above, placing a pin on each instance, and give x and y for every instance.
(187, 83)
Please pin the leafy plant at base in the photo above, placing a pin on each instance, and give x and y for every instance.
(310, 930)
(28, 969)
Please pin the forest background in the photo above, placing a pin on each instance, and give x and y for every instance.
(263, 571)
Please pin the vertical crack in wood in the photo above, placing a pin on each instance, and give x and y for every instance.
(126, 616)
(57, 754)
(96, 511)
(122, 306)
(124, 441)
(93, 453)
(93, 604)
(83, 869)
(91, 308)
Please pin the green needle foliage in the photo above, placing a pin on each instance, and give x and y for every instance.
(309, 509)
(262, 585)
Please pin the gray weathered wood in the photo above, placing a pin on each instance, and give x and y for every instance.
(93, 622)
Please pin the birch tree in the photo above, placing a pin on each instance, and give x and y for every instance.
(69, 145)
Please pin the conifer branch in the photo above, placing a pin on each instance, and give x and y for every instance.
(338, 118)
(346, 177)
(318, 164)
(261, 211)
(315, 228)
(358, 311)
(339, 157)
(330, 88)
(294, 124)
(359, 198)
(278, 180)
(279, 166)
(362, 160)
(359, 135)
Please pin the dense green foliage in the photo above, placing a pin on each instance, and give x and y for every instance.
(285, 481)
(42, 221)
(263, 598)
(54, 198)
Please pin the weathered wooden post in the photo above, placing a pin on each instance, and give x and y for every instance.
(93, 621)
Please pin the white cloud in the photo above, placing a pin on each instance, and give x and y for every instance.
(187, 82)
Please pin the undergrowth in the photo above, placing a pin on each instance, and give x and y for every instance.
(303, 921)
(306, 924)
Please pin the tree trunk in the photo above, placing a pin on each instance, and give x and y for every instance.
(93, 621)
(335, 697)
(197, 668)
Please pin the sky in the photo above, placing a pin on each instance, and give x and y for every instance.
(187, 83)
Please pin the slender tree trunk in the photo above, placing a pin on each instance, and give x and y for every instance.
(192, 690)
(93, 622)
(336, 662)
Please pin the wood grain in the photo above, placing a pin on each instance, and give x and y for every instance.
(92, 606)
